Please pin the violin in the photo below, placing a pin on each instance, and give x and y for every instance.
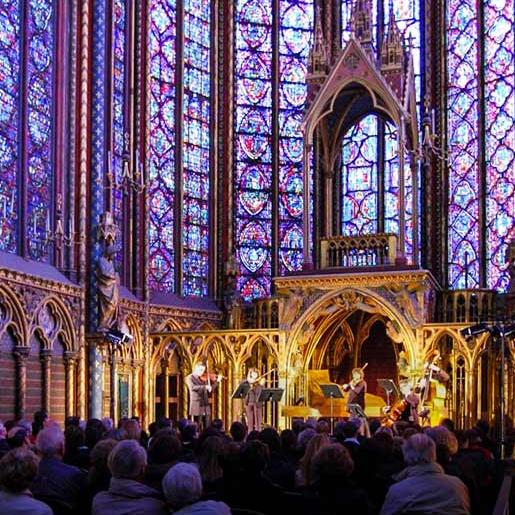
(211, 377)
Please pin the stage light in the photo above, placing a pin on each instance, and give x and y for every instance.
(475, 330)
(117, 337)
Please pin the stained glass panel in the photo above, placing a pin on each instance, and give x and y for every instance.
(499, 29)
(39, 84)
(119, 128)
(463, 143)
(161, 156)
(253, 146)
(196, 146)
(359, 178)
(9, 120)
(296, 28)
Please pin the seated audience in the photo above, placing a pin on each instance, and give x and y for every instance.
(238, 432)
(211, 452)
(182, 487)
(99, 475)
(4, 445)
(127, 494)
(18, 468)
(303, 473)
(423, 486)
(57, 483)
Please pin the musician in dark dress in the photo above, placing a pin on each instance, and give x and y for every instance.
(200, 387)
(253, 405)
(357, 388)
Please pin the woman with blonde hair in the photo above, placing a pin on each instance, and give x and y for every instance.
(303, 473)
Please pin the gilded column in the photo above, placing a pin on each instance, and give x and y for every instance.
(20, 355)
(81, 384)
(113, 392)
(46, 364)
(136, 386)
(184, 397)
(70, 359)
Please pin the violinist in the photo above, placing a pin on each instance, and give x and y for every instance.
(357, 388)
(252, 403)
(200, 385)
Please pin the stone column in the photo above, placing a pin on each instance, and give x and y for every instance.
(136, 397)
(113, 392)
(46, 364)
(70, 358)
(20, 355)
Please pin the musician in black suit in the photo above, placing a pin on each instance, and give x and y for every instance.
(200, 385)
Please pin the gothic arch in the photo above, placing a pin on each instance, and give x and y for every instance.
(14, 317)
(307, 319)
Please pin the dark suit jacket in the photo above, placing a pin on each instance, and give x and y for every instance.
(199, 396)
(252, 397)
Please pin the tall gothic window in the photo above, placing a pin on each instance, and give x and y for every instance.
(481, 141)
(27, 58)
(370, 166)
(180, 145)
(270, 95)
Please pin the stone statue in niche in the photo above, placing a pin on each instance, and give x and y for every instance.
(290, 308)
(108, 290)
(232, 298)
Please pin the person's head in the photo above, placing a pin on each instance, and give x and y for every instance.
(189, 433)
(133, 430)
(117, 434)
(323, 427)
(350, 430)
(330, 465)
(252, 375)
(448, 423)
(94, 431)
(218, 424)
(238, 432)
(163, 422)
(18, 437)
(357, 374)
(74, 438)
(254, 457)
(164, 447)
(483, 427)
(3, 431)
(315, 444)
(50, 442)
(18, 469)
(182, 485)
(298, 426)
(72, 420)
(209, 459)
(199, 368)
(288, 440)
(108, 424)
(128, 460)
(304, 437)
(270, 437)
(418, 449)
(38, 422)
(100, 453)
(441, 436)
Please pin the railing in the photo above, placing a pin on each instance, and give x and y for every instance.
(358, 251)
(467, 306)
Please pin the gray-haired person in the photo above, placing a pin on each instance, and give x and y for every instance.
(127, 494)
(423, 485)
(182, 487)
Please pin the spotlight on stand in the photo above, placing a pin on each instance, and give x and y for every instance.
(118, 338)
(475, 330)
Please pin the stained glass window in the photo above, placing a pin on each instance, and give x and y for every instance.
(26, 60)
(362, 197)
(9, 120)
(256, 119)
(118, 108)
(162, 93)
(468, 124)
(196, 146)
(192, 104)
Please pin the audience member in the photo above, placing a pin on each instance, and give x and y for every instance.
(238, 432)
(182, 487)
(99, 475)
(18, 469)
(423, 486)
(164, 451)
(303, 474)
(58, 484)
(127, 494)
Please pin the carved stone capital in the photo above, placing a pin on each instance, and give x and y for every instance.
(45, 356)
(21, 354)
(70, 357)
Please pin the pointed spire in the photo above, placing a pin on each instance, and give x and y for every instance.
(392, 51)
(318, 55)
(361, 24)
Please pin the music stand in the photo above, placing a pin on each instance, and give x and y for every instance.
(331, 391)
(271, 395)
(390, 388)
(241, 390)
